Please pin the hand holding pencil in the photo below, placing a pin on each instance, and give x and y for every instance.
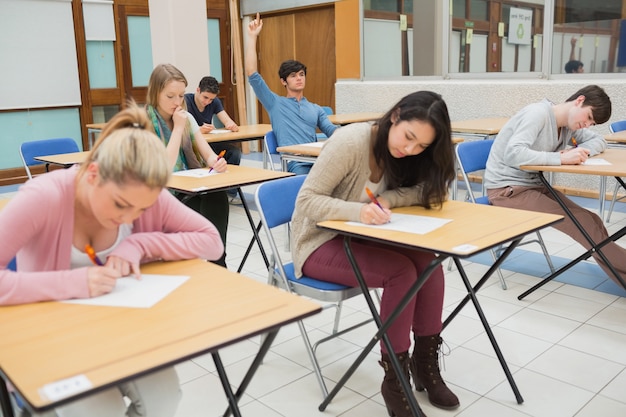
(374, 213)
(220, 162)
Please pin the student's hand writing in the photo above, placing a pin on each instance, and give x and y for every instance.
(206, 128)
(574, 156)
(218, 164)
(232, 127)
(179, 117)
(101, 280)
(123, 266)
(255, 26)
(372, 214)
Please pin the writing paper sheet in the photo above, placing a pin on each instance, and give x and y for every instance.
(131, 292)
(195, 173)
(596, 161)
(220, 131)
(409, 223)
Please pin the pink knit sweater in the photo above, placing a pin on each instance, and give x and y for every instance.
(37, 226)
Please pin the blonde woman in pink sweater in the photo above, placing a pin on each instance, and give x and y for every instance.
(116, 203)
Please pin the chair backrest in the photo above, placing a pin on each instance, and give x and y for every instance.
(617, 126)
(269, 149)
(30, 150)
(276, 199)
(472, 156)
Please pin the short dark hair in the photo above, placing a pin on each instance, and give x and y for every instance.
(573, 66)
(597, 99)
(209, 84)
(290, 66)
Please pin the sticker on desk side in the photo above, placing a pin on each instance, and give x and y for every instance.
(198, 189)
(58, 390)
(465, 248)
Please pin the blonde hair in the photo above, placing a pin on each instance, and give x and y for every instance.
(128, 150)
(161, 75)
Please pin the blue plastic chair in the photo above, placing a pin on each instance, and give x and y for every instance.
(269, 149)
(472, 156)
(32, 149)
(615, 127)
(275, 201)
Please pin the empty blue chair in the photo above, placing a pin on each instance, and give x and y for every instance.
(472, 156)
(32, 149)
(269, 149)
(275, 201)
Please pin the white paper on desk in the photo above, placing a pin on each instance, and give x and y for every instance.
(195, 173)
(409, 223)
(136, 293)
(596, 161)
(220, 131)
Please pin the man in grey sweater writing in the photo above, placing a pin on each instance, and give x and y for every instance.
(545, 133)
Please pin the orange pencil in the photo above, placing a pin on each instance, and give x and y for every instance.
(92, 255)
(220, 156)
(372, 197)
(574, 142)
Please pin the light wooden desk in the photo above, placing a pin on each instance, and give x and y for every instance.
(245, 133)
(347, 118)
(236, 176)
(616, 137)
(479, 127)
(474, 228)
(617, 168)
(65, 160)
(108, 345)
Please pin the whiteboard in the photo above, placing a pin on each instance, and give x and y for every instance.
(39, 65)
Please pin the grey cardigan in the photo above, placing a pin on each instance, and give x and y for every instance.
(333, 188)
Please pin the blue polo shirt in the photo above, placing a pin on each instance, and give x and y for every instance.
(293, 121)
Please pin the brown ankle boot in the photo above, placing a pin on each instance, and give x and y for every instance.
(391, 390)
(425, 371)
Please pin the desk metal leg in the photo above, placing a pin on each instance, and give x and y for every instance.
(5, 400)
(232, 401)
(382, 329)
(255, 232)
(471, 294)
(258, 359)
(595, 247)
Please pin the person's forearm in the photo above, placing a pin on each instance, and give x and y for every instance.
(250, 57)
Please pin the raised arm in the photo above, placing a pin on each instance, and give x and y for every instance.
(572, 52)
(254, 28)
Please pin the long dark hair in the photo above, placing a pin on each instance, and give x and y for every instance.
(433, 168)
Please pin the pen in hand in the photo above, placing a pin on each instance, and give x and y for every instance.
(92, 255)
(372, 197)
(220, 156)
(574, 142)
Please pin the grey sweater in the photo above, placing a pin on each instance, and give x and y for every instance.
(333, 188)
(531, 137)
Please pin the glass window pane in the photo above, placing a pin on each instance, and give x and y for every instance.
(140, 44)
(479, 10)
(458, 9)
(102, 114)
(587, 36)
(215, 56)
(101, 64)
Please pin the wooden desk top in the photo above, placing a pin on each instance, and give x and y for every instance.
(617, 158)
(347, 118)
(489, 126)
(65, 159)
(473, 229)
(246, 132)
(47, 342)
(617, 137)
(307, 149)
(314, 149)
(235, 176)
(95, 126)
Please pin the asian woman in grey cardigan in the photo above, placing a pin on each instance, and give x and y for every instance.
(405, 158)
